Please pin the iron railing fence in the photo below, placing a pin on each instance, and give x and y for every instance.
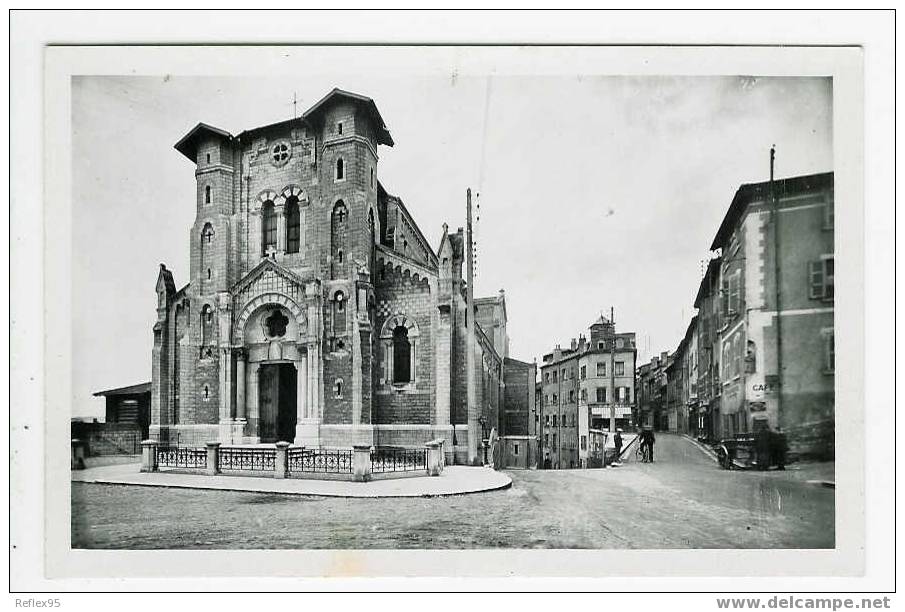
(181, 457)
(323, 461)
(398, 460)
(248, 459)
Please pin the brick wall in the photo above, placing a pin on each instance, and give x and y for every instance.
(398, 292)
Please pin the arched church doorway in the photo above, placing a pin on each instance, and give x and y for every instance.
(277, 402)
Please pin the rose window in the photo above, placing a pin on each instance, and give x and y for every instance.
(276, 324)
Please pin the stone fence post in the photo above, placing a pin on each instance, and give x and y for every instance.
(280, 462)
(213, 458)
(435, 457)
(78, 454)
(149, 456)
(361, 462)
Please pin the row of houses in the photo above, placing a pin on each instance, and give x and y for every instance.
(584, 391)
(760, 350)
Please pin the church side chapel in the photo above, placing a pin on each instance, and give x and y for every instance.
(317, 312)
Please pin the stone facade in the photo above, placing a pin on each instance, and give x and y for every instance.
(760, 351)
(582, 387)
(316, 312)
(793, 390)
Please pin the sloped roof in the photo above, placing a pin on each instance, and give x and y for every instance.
(130, 390)
(712, 267)
(187, 144)
(755, 191)
(383, 193)
(383, 134)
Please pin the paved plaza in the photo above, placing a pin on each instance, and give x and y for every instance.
(683, 500)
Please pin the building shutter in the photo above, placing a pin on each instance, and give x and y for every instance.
(734, 293)
(815, 279)
(724, 297)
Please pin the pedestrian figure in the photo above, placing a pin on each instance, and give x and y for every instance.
(647, 441)
(617, 442)
(764, 447)
(779, 448)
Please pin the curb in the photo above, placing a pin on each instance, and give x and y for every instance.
(827, 484)
(709, 453)
(202, 487)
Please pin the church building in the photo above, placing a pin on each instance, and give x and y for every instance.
(317, 312)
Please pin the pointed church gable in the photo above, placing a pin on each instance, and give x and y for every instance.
(267, 277)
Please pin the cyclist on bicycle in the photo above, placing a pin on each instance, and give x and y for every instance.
(647, 443)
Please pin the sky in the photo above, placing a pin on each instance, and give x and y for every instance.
(594, 191)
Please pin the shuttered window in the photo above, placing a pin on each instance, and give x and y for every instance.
(821, 281)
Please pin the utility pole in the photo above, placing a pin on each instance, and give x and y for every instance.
(613, 374)
(558, 404)
(472, 411)
(777, 279)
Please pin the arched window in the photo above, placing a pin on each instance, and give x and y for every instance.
(207, 234)
(340, 169)
(293, 225)
(338, 225)
(402, 355)
(207, 194)
(268, 227)
(339, 213)
(371, 225)
(338, 388)
(207, 325)
(339, 313)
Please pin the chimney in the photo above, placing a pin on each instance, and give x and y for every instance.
(557, 353)
(574, 344)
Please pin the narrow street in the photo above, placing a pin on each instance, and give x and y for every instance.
(684, 500)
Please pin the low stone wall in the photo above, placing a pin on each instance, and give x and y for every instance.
(101, 439)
